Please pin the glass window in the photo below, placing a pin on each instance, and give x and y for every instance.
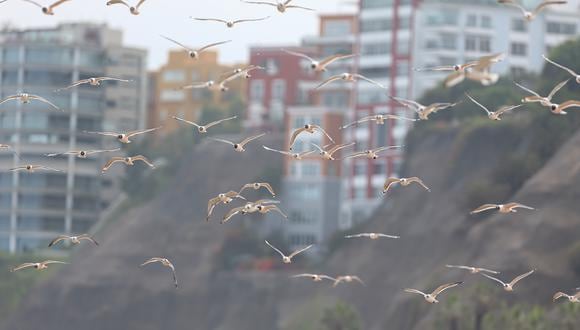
(11, 55)
(334, 28)
(55, 56)
(448, 41)
(257, 91)
(26, 244)
(311, 169)
(43, 77)
(92, 59)
(279, 90)
(471, 20)
(519, 49)
(367, 4)
(10, 77)
(378, 48)
(561, 28)
(486, 22)
(173, 76)
(519, 25)
(171, 95)
(373, 25)
(360, 168)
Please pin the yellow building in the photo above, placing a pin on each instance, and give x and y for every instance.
(180, 70)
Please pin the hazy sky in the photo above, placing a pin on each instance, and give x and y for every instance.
(171, 18)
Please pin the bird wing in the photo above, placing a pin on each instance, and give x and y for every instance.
(295, 135)
(521, 277)
(507, 108)
(58, 3)
(212, 45)
(323, 132)
(251, 138)
(493, 278)
(388, 236)
(42, 99)
(8, 98)
(234, 194)
(484, 207)
(213, 123)
(454, 79)
(250, 20)
(210, 19)
(444, 287)
(90, 152)
(231, 213)
(528, 90)
(112, 78)
(150, 261)
(479, 104)
(557, 89)
(49, 262)
(115, 2)
(268, 187)
(111, 162)
(89, 238)
(177, 43)
(483, 63)
(377, 150)
(572, 72)
(360, 76)
(545, 4)
(275, 249)
(47, 168)
(24, 265)
(329, 80)
(389, 183)
(270, 208)
(329, 60)
(568, 104)
(278, 151)
(266, 201)
(362, 120)
(222, 140)
(415, 291)
(436, 68)
(139, 3)
(185, 121)
(419, 181)
(299, 55)
(300, 7)
(407, 103)
(356, 236)
(460, 267)
(512, 3)
(261, 3)
(295, 253)
(102, 133)
(139, 132)
(518, 205)
(58, 239)
(143, 159)
(77, 83)
(336, 148)
(559, 295)
(487, 270)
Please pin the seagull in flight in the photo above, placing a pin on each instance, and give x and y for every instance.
(308, 128)
(287, 259)
(510, 286)
(195, 53)
(347, 279)
(95, 81)
(81, 153)
(224, 198)
(322, 64)
(403, 182)
(125, 137)
(230, 24)
(129, 161)
(473, 270)
(166, 263)
(536, 98)
(315, 277)
(371, 153)
(379, 119)
(373, 236)
(530, 15)
(33, 168)
(73, 239)
(296, 156)
(37, 265)
(203, 128)
(329, 154)
(134, 10)
(25, 98)
(280, 6)
(494, 115)
(258, 186)
(570, 71)
(349, 77)
(239, 146)
(423, 111)
(432, 297)
(47, 10)
(574, 298)
(501, 208)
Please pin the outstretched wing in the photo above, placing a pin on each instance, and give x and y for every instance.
(545, 4)
(329, 80)
(420, 182)
(177, 43)
(389, 183)
(295, 253)
(299, 55)
(143, 131)
(23, 266)
(521, 277)
(445, 287)
(58, 239)
(485, 207)
(231, 213)
(212, 45)
(275, 249)
(329, 60)
(572, 72)
(251, 138)
(88, 238)
(213, 123)
(493, 278)
(557, 89)
(110, 163)
(143, 159)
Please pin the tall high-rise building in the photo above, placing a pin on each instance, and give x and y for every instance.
(34, 207)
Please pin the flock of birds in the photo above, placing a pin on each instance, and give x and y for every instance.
(478, 70)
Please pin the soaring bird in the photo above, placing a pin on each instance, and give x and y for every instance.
(81, 153)
(501, 208)
(530, 15)
(203, 128)
(308, 128)
(125, 137)
(134, 10)
(510, 286)
(47, 10)
(473, 270)
(73, 239)
(25, 98)
(315, 277)
(494, 115)
(263, 209)
(322, 64)
(95, 81)
(373, 236)
(371, 153)
(574, 298)
(423, 111)
(250, 207)
(432, 297)
(37, 265)
(347, 279)
(33, 168)
(288, 258)
(230, 24)
(536, 98)
(239, 146)
(328, 154)
(297, 156)
(348, 77)
(166, 263)
(258, 186)
(379, 119)
(280, 6)
(558, 109)
(570, 71)
(129, 161)
(224, 198)
(195, 53)
(403, 182)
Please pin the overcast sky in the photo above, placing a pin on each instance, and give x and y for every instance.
(171, 18)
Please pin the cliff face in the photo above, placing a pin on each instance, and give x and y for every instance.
(104, 289)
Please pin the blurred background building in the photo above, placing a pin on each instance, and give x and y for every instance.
(36, 207)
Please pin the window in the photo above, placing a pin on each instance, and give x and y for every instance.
(561, 28)
(376, 3)
(170, 95)
(311, 169)
(519, 25)
(485, 22)
(519, 49)
(379, 48)
(517, 71)
(471, 20)
(173, 76)
(334, 28)
(477, 43)
(470, 43)
(448, 41)
(360, 168)
(11, 55)
(443, 17)
(305, 239)
(279, 90)
(360, 193)
(376, 25)
(257, 91)
(379, 168)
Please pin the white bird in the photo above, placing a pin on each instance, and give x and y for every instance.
(73, 239)
(81, 153)
(371, 153)
(558, 109)
(129, 161)
(25, 98)
(195, 53)
(530, 15)
(165, 262)
(230, 24)
(245, 71)
(239, 146)
(403, 182)
(432, 297)
(95, 81)
(379, 119)
(329, 154)
(321, 65)
(280, 6)
(536, 98)
(308, 128)
(510, 286)
(424, 111)
(575, 298)
(47, 10)
(250, 207)
(125, 137)
(225, 198)
(570, 71)
(473, 270)
(203, 128)
(258, 186)
(288, 258)
(373, 236)
(297, 156)
(37, 265)
(33, 168)
(213, 85)
(347, 279)
(132, 9)
(501, 208)
(348, 77)
(494, 115)
(315, 277)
